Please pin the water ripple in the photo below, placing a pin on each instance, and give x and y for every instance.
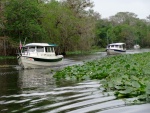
(85, 97)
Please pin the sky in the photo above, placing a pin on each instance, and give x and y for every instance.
(108, 8)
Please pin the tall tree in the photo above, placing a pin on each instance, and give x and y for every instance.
(78, 6)
(67, 26)
(123, 18)
(86, 20)
(23, 20)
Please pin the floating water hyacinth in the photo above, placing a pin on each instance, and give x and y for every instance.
(127, 75)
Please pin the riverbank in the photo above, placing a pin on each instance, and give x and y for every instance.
(128, 76)
(93, 50)
(4, 66)
(7, 57)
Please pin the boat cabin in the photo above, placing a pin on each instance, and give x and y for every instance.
(119, 46)
(38, 48)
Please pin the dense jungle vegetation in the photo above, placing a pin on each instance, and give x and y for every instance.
(72, 24)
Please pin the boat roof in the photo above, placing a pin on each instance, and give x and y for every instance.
(40, 44)
(116, 44)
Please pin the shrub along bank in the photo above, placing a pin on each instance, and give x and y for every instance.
(7, 57)
(127, 75)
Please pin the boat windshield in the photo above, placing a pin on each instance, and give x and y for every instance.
(49, 49)
(31, 49)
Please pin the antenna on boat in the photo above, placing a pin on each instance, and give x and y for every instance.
(24, 41)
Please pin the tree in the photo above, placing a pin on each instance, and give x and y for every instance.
(102, 36)
(23, 20)
(148, 17)
(1, 17)
(131, 29)
(78, 6)
(86, 21)
(123, 18)
(67, 26)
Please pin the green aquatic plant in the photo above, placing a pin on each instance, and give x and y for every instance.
(127, 75)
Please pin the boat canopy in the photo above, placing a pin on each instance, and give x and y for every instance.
(40, 44)
(117, 44)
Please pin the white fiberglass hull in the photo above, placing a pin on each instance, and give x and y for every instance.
(33, 62)
(136, 47)
(115, 51)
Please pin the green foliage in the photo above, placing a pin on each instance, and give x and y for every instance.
(7, 57)
(23, 20)
(71, 27)
(66, 26)
(70, 24)
(127, 75)
(123, 27)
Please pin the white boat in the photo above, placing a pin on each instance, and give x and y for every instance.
(136, 46)
(38, 55)
(116, 48)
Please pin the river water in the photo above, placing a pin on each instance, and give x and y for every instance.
(36, 91)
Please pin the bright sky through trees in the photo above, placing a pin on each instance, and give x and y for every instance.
(111, 7)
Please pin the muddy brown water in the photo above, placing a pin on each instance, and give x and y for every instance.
(36, 91)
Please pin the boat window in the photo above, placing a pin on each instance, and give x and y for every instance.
(40, 49)
(116, 46)
(112, 45)
(48, 49)
(31, 49)
(53, 49)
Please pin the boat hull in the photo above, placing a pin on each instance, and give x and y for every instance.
(34, 62)
(115, 51)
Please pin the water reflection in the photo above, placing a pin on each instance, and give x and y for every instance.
(37, 91)
(35, 78)
(8, 81)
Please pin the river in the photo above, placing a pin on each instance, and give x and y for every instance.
(36, 91)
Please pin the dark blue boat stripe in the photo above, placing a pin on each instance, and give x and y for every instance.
(119, 50)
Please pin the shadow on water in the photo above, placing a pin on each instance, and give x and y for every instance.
(36, 90)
